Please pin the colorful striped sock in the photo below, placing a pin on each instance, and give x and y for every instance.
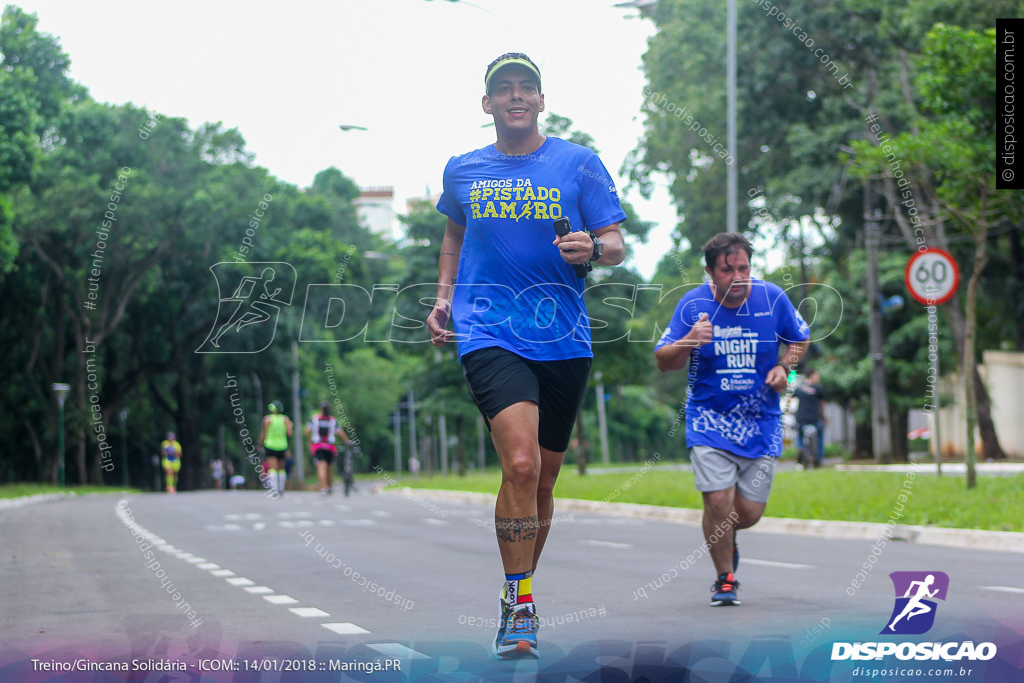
(518, 591)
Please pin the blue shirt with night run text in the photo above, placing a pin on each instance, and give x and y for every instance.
(729, 407)
(514, 290)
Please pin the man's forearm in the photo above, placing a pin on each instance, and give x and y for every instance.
(794, 353)
(614, 246)
(448, 264)
(674, 356)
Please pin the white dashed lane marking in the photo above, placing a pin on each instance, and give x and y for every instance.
(280, 599)
(609, 544)
(268, 594)
(770, 563)
(396, 651)
(1003, 589)
(345, 628)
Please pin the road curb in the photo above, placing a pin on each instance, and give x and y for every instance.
(21, 501)
(974, 539)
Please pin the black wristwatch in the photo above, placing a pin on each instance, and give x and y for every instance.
(785, 367)
(598, 247)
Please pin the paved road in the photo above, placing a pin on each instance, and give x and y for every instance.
(237, 578)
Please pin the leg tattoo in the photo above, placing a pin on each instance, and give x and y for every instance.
(515, 529)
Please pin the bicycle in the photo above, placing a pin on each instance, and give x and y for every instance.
(348, 474)
(807, 457)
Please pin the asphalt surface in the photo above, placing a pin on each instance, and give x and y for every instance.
(290, 589)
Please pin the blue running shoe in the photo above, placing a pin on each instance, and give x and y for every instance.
(517, 636)
(506, 611)
(724, 591)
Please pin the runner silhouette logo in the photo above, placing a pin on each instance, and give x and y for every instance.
(251, 297)
(916, 593)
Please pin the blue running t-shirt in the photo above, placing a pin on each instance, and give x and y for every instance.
(514, 290)
(729, 406)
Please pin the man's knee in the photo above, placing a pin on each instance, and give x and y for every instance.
(748, 513)
(521, 470)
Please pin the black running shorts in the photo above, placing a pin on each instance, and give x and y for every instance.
(498, 378)
(274, 453)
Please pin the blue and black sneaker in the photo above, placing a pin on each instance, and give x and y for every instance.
(517, 635)
(724, 591)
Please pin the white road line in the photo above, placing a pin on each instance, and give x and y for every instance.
(769, 563)
(1003, 589)
(308, 612)
(327, 522)
(259, 526)
(396, 651)
(435, 522)
(280, 599)
(381, 513)
(358, 522)
(222, 572)
(258, 590)
(345, 628)
(240, 581)
(196, 560)
(608, 544)
(209, 565)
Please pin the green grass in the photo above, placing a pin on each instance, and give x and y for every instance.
(822, 494)
(18, 490)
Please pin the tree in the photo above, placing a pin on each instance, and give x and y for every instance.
(35, 85)
(809, 81)
(949, 179)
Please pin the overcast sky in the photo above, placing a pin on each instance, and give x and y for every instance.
(410, 71)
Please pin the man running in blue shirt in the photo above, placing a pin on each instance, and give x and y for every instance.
(518, 311)
(729, 330)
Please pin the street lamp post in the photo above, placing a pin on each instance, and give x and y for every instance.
(61, 390)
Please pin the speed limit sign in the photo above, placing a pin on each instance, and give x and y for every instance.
(932, 276)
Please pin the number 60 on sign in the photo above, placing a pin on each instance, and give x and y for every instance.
(932, 276)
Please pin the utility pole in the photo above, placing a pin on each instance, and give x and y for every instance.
(602, 422)
(880, 432)
(412, 427)
(732, 181)
(300, 471)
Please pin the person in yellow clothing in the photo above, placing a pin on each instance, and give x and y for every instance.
(170, 460)
(274, 435)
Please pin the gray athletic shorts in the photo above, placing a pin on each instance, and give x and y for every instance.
(715, 470)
